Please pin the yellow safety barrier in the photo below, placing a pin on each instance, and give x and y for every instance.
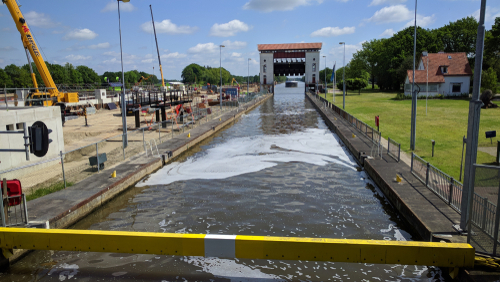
(239, 246)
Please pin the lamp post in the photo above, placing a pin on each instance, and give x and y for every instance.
(325, 78)
(123, 104)
(248, 78)
(413, 132)
(343, 78)
(220, 70)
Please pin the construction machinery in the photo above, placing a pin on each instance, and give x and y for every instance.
(233, 81)
(52, 96)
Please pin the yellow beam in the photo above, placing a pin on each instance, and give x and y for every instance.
(239, 246)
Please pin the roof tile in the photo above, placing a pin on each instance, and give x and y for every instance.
(289, 46)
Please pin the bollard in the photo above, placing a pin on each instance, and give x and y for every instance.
(137, 118)
(163, 117)
(113, 175)
(433, 143)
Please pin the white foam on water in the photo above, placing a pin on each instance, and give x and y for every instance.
(251, 154)
(230, 269)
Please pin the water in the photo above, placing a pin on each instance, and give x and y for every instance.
(277, 171)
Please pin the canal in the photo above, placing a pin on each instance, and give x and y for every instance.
(277, 171)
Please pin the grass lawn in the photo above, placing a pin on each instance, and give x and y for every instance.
(47, 190)
(445, 122)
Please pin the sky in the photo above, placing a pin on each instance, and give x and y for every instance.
(190, 31)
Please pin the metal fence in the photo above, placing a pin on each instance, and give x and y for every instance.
(485, 215)
(75, 165)
(361, 126)
(394, 149)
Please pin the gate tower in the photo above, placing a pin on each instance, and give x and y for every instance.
(295, 59)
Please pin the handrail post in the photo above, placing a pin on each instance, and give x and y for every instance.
(144, 141)
(62, 166)
(399, 152)
(485, 209)
(388, 144)
(427, 175)
(450, 193)
(97, 155)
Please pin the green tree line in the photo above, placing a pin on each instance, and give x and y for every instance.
(196, 74)
(385, 61)
(14, 76)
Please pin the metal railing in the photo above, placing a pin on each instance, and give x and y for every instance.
(483, 214)
(443, 185)
(361, 126)
(394, 149)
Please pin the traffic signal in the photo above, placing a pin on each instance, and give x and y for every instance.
(39, 139)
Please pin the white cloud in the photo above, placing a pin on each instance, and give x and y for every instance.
(113, 7)
(104, 45)
(204, 48)
(277, 5)
(81, 34)
(234, 44)
(7, 48)
(175, 55)
(391, 14)
(235, 54)
(166, 26)
(228, 29)
(38, 19)
(150, 60)
(422, 21)
(489, 16)
(77, 58)
(337, 53)
(384, 2)
(387, 33)
(333, 31)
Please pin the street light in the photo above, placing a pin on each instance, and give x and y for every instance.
(220, 70)
(343, 78)
(413, 132)
(248, 78)
(123, 105)
(325, 78)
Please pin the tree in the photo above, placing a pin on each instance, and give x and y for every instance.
(460, 36)
(19, 76)
(492, 47)
(489, 80)
(5, 80)
(88, 75)
(329, 72)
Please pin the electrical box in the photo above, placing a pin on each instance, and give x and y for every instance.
(13, 190)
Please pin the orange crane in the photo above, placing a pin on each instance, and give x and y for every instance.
(52, 97)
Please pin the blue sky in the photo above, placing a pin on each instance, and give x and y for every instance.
(86, 32)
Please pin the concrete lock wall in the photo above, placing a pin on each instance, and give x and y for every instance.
(267, 62)
(12, 119)
(312, 58)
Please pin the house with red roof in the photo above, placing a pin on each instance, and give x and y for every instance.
(447, 74)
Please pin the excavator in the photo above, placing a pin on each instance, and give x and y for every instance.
(52, 97)
(233, 81)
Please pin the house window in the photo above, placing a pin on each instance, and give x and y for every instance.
(456, 87)
(444, 69)
(314, 67)
(264, 68)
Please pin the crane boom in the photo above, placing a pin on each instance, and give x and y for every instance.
(29, 43)
(157, 50)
